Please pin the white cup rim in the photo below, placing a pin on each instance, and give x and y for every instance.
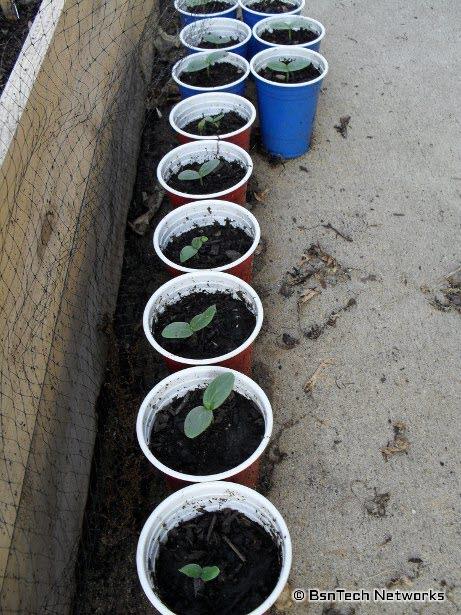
(195, 278)
(289, 50)
(224, 137)
(298, 7)
(267, 20)
(196, 205)
(202, 478)
(225, 145)
(241, 24)
(232, 7)
(240, 61)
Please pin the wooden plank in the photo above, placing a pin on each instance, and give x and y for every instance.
(66, 177)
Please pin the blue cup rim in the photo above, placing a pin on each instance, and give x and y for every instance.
(267, 20)
(295, 52)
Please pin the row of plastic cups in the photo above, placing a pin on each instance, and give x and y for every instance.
(250, 16)
(192, 34)
(286, 110)
(194, 500)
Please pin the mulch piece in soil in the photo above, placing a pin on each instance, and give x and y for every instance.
(232, 324)
(226, 175)
(247, 556)
(236, 432)
(299, 76)
(226, 243)
(226, 43)
(219, 73)
(230, 122)
(214, 6)
(299, 36)
(272, 6)
(12, 37)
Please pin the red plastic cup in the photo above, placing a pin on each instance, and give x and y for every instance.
(211, 104)
(203, 213)
(240, 359)
(177, 385)
(200, 151)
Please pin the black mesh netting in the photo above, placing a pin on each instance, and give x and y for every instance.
(83, 123)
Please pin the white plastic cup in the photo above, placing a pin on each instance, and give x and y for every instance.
(234, 87)
(188, 503)
(265, 24)
(212, 103)
(200, 151)
(178, 385)
(192, 34)
(169, 293)
(204, 213)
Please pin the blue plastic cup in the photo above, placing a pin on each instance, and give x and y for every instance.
(236, 87)
(187, 17)
(287, 110)
(251, 17)
(265, 24)
(192, 34)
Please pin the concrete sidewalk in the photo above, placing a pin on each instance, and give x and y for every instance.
(391, 373)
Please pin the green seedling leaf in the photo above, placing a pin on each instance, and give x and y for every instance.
(215, 39)
(203, 320)
(278, 66)
(197, 420)
(218, 390)
(197, 242)
(298, 64)
(189, 251)
(189, 175)
(209, 573)
(215, 56)
(194, 571)
(209, 166)
(210, 119)
(177, 330)
(196, 64)
(281, 25)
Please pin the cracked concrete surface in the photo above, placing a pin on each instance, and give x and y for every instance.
(393, 187)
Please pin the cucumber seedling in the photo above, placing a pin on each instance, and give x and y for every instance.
(216, 393)
(204, 62)
(214, 120)
(195, 571)
(290, 26)
(287, 67)
(182, 330)
(216, 39)
(206, 168)
(189, 251)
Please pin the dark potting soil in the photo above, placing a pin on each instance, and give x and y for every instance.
(226, 43)
(226, 175)
(236, 432)
(299, 76)
(12, 37)
(243, 582)
(215, 6)
(226, 243)
(282, 37)
(232, 324)
(230, 122)
(272, 6)
(219, 73)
